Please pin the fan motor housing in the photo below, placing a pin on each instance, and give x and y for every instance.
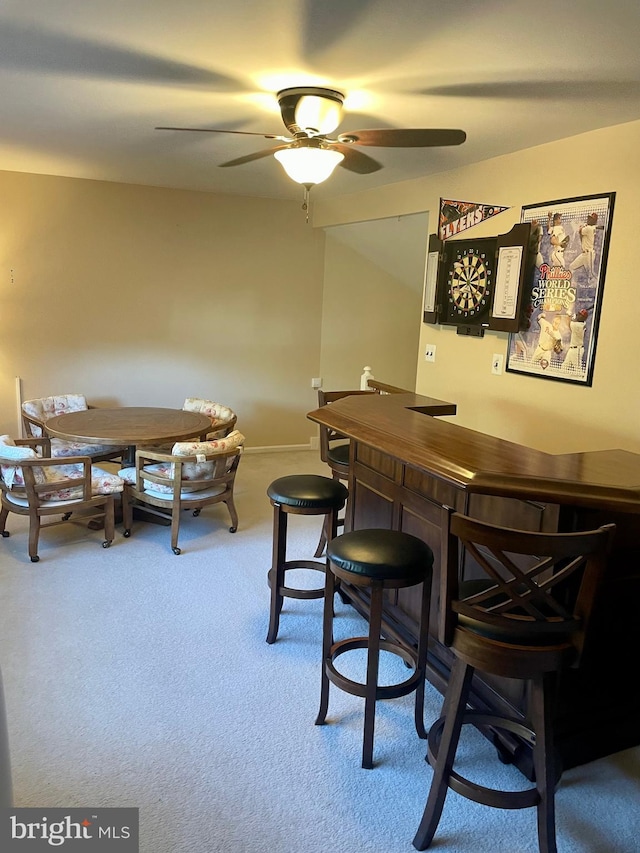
(310, 110)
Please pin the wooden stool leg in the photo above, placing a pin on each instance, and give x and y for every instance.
(322, 544)
(423, 642)
(331, 531)
(541, 714)
(327, 642)
(453, 712)
(325, 534)
(373, 661)
(276, 573)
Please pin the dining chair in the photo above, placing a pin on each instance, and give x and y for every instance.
(36, 413)
(192, 475)
(39, 486)
(223, 419)
(523, 614)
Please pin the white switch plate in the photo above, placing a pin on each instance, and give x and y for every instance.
(497, 362)
(316, 382)
(430, 352)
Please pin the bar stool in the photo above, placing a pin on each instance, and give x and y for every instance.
(527, 619)
(299, 494)
(376, 560)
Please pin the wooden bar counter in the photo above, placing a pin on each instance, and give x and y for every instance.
(405, 464)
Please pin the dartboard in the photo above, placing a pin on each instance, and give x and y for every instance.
(470, 282)
(481, 283)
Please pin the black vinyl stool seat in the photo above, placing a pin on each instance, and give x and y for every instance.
(378, 560)
(339, 455)
(299, 494)
(528, 621)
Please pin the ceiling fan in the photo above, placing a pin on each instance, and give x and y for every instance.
(309, 155)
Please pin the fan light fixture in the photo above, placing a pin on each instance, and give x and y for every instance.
(308, 164)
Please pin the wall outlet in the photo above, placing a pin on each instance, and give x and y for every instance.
(316, 382)
(430, 352)
(496, 363)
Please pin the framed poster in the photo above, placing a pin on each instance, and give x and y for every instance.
(571, 242)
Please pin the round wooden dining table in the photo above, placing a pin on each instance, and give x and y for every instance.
(129, 426)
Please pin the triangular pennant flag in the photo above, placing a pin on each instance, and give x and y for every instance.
(457, 216)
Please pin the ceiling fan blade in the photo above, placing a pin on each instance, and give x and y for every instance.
(357, 161)
(404, 137)
(257, 155)
(216, 130)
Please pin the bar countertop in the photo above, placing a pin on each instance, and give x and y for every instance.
(408, 465)
(402, 426)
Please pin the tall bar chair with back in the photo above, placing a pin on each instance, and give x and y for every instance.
(527, 619)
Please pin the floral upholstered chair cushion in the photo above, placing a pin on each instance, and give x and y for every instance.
(49, 407)
(200, 470)
(102, 482)
(223, 419)
(12, 474)
(37, 412)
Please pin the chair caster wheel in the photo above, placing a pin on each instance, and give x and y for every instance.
(5, 533)
(126, 533)
(232, 529)
(196, 513)
(35, 559)
(106, 543)
(176, 551)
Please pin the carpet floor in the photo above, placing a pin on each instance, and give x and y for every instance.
(134, 677)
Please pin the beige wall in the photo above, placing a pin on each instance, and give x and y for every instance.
(369, 317)
(142, 296)
(551, 416)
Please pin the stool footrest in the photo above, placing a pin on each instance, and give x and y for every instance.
(357, 688)
(291, 592)
(472, 790)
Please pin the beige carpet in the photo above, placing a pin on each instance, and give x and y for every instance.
(135, 677)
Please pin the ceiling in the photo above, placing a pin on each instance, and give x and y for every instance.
(83, 83)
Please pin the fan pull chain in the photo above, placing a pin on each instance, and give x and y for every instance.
(305, 202)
